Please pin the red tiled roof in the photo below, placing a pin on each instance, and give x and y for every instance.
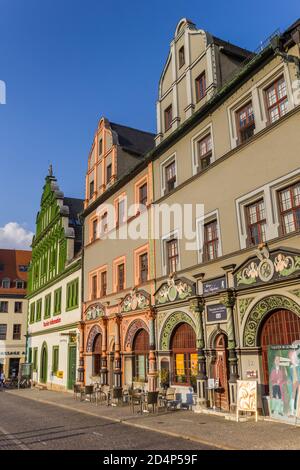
(11, 262)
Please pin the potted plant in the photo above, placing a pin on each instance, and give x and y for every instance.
(164, 378)
(194, 383)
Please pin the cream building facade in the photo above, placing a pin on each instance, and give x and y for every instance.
(13, 309)
(227, 139)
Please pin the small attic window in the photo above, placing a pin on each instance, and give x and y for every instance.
(181, 58)
(100, 147)
(23, 268)
(5, 283)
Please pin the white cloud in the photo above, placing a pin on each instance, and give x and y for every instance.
(14, 236)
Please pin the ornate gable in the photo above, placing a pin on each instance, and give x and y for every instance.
(94, 311)
(267, 266)
(135, 300)
(53, 242)
(174, 289)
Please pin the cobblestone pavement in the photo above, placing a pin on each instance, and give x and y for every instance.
(204, 429)
(31, 425)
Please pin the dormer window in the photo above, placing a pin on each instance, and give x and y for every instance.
(5, 283)
(181, 58)
(19, 284)
(23, 268)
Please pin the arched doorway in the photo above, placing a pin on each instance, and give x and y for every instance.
(183, 355)
(141, 355)
(221, 372)
(281, 327)
(96, 350)
(44, 363)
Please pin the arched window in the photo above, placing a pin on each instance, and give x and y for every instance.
(184, 354)
(97, 349)
(141, 352)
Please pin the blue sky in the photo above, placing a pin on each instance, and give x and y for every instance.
(68, 62)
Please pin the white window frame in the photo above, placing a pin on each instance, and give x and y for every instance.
(281, 69)
(163, 166)
(231, 113)
(274, 188)
(194, 141)
(17, 281)
(6, 279)
(246, 200)
(269, 193)
(164, 240)
(200, 222)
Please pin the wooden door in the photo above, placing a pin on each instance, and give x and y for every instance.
(71, 367)
(44, 364)
(221, 373)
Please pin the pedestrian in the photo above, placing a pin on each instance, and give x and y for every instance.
(2, 379)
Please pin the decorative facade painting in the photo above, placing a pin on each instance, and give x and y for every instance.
(284, 381)
(268, 267)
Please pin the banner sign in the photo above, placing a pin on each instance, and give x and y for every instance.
(284, 382)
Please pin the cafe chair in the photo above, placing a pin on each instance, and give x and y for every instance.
(77, 391)
(89, 392)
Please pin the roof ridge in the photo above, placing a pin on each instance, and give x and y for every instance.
(232, 44)
(132, 128)
(76, 198)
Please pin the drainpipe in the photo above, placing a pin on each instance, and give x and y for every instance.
(80, 370)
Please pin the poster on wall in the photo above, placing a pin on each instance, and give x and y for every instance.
(284, 382)
(246, 397)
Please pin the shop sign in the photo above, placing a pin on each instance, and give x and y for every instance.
(216, 313)
(284, 382)
(214, 285)
(52, 322)
(11, 353)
